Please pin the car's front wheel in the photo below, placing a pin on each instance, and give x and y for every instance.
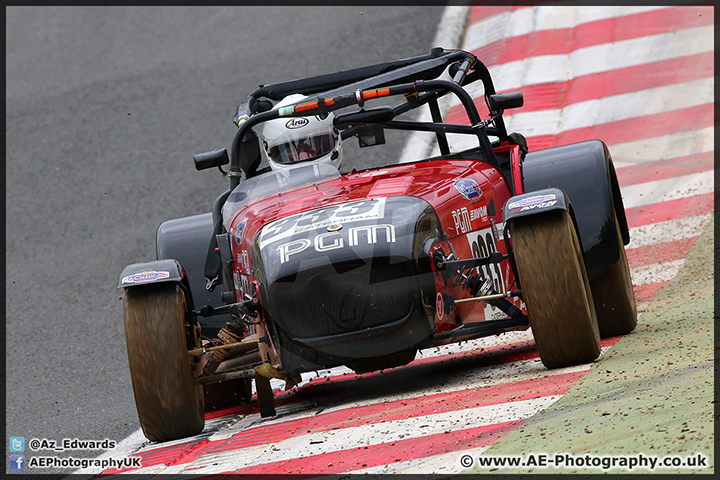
(168, 401)
(555, 288)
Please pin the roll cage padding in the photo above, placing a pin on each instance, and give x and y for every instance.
(407, 67)
(383, 74)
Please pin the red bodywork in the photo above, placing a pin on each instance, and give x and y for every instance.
(468, 223)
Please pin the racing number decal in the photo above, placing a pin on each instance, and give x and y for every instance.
(482, 244)
(323, 217)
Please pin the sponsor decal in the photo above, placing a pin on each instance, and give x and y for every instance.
(285, 111)
(536, 206)
(321, 218)
(531, 201)
(439, 306)
(326, 242)
(145, 277)
(239, 231)
(462, 221)
(468, 188)
(243, 259)
(464, 218)
(296, 123)
(479, 213)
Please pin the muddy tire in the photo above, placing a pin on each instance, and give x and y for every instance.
(227, 394)
(613, 296)
(555, 288)
(169, 404)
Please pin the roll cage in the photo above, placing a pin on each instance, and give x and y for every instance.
(415, 78)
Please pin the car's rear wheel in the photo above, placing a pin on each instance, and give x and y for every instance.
(169, 403)
(555, 288)
(227, 394)
(613, 295)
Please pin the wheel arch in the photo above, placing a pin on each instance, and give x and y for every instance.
(585, 172)
(141, 274)
(186, 241)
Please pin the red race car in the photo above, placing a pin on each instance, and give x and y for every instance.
(300, 267)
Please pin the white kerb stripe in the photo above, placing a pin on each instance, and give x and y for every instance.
(528, 20)
(613, 108)
(436, 464)
(655, 273)
(605, 110)
(667, 189)
(370, 434)
(691, 142)
(669, 231)
(595, 59)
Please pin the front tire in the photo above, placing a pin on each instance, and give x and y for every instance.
(555, 289)
(169, 403)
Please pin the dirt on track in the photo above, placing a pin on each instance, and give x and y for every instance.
(651, 393)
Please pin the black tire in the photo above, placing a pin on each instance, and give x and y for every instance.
(614, 298)
(555, 289)
(227, 394)
(169, 403)
(264, 396)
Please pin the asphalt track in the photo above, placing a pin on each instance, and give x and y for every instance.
(105, 109)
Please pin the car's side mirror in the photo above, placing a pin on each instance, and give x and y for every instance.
(371, 135)
(503, 101)
(362, 117)
(216, 158)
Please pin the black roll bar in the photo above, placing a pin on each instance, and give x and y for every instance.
(358, 97)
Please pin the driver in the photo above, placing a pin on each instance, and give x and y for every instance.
(289, 141)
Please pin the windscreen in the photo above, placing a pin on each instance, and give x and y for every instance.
(271, 183)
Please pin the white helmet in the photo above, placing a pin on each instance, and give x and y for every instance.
(289, 141)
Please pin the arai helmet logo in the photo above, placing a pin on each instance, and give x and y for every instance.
(297, 122)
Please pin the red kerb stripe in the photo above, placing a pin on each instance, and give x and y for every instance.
(386, 453)
(646, 293)
(566, 40)
(660, 253)
(670, 210)
(666, 168)
(631, 129)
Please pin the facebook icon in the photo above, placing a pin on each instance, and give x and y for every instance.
(17, 462)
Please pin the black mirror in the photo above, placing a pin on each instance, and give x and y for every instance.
(503, 101)
(216, 158)
(371, 135)
(371, 115)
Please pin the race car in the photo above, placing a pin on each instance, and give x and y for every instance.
(302, 268)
